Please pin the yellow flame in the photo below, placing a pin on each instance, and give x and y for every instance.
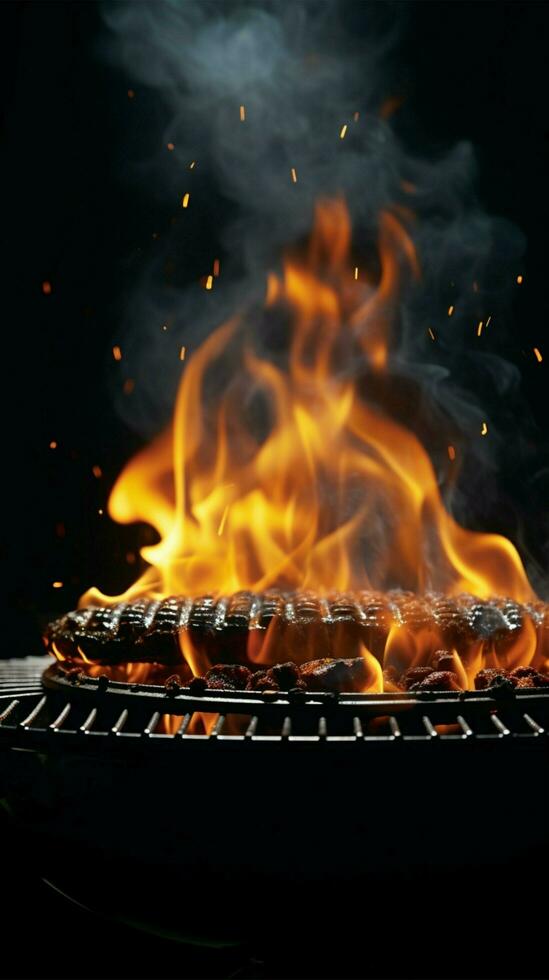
(329, 492)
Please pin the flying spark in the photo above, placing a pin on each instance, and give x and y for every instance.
(356, 116)
(192, 165)
(356, 271)
(431, 334)
(46, 288)
(223, 520)
(343, 131)
(450, 310)
(185, 201)
(294, 175)
(479, 328)
(537, 352)
(242, 113)
(488, 320)
(484, 430)
(182, 353)
(171, 146)
(451, 453)
(53, 444)
(117, 353)
(519, 280)
(57, 585)
(216, 268)
(97, 472)
(128, 386)
(209, 282)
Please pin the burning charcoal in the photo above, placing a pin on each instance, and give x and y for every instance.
(286, 676)
(173, 684)
(298, 690)
(529, 677)
(442, 660)
(525, 682)
(262, 680)
(197, 686)
(227, 677)
(335, 675)
(438, 680)
(414, 675)
(519, 672)
(490, 676)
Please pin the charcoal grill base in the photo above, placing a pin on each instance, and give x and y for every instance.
(188, 830)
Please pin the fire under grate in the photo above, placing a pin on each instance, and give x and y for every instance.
(51, 712)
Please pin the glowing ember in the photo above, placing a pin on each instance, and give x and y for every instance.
(185, 201)
(97, 472)
(431, 333)
(356, 116)
(216, 267)
(242, 113)
(537, 353)
(182, 353)
(479, 328)
(520, 280)
(343, 131)
(294, 175)
(209, 282)
(356, 272)
(451, 453)
(171, 147)
(192, 165)
(117, 353)
(53, 444)
(450, 310)
(57, 585)
(128, 386)
(488, 321)
(484, 429)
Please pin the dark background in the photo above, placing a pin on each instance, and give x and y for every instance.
(78, 218)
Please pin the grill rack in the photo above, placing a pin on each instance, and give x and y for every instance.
(48, 711)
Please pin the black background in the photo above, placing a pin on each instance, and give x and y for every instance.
(73, 217)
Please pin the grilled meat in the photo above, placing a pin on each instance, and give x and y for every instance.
(276, 627)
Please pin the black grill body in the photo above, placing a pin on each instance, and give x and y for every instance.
(313, 801)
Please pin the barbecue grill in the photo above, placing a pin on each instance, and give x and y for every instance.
(231, 835)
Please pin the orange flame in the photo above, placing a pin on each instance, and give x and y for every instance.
(287, 476)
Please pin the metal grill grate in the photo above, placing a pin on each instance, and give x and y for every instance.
(85, 715)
